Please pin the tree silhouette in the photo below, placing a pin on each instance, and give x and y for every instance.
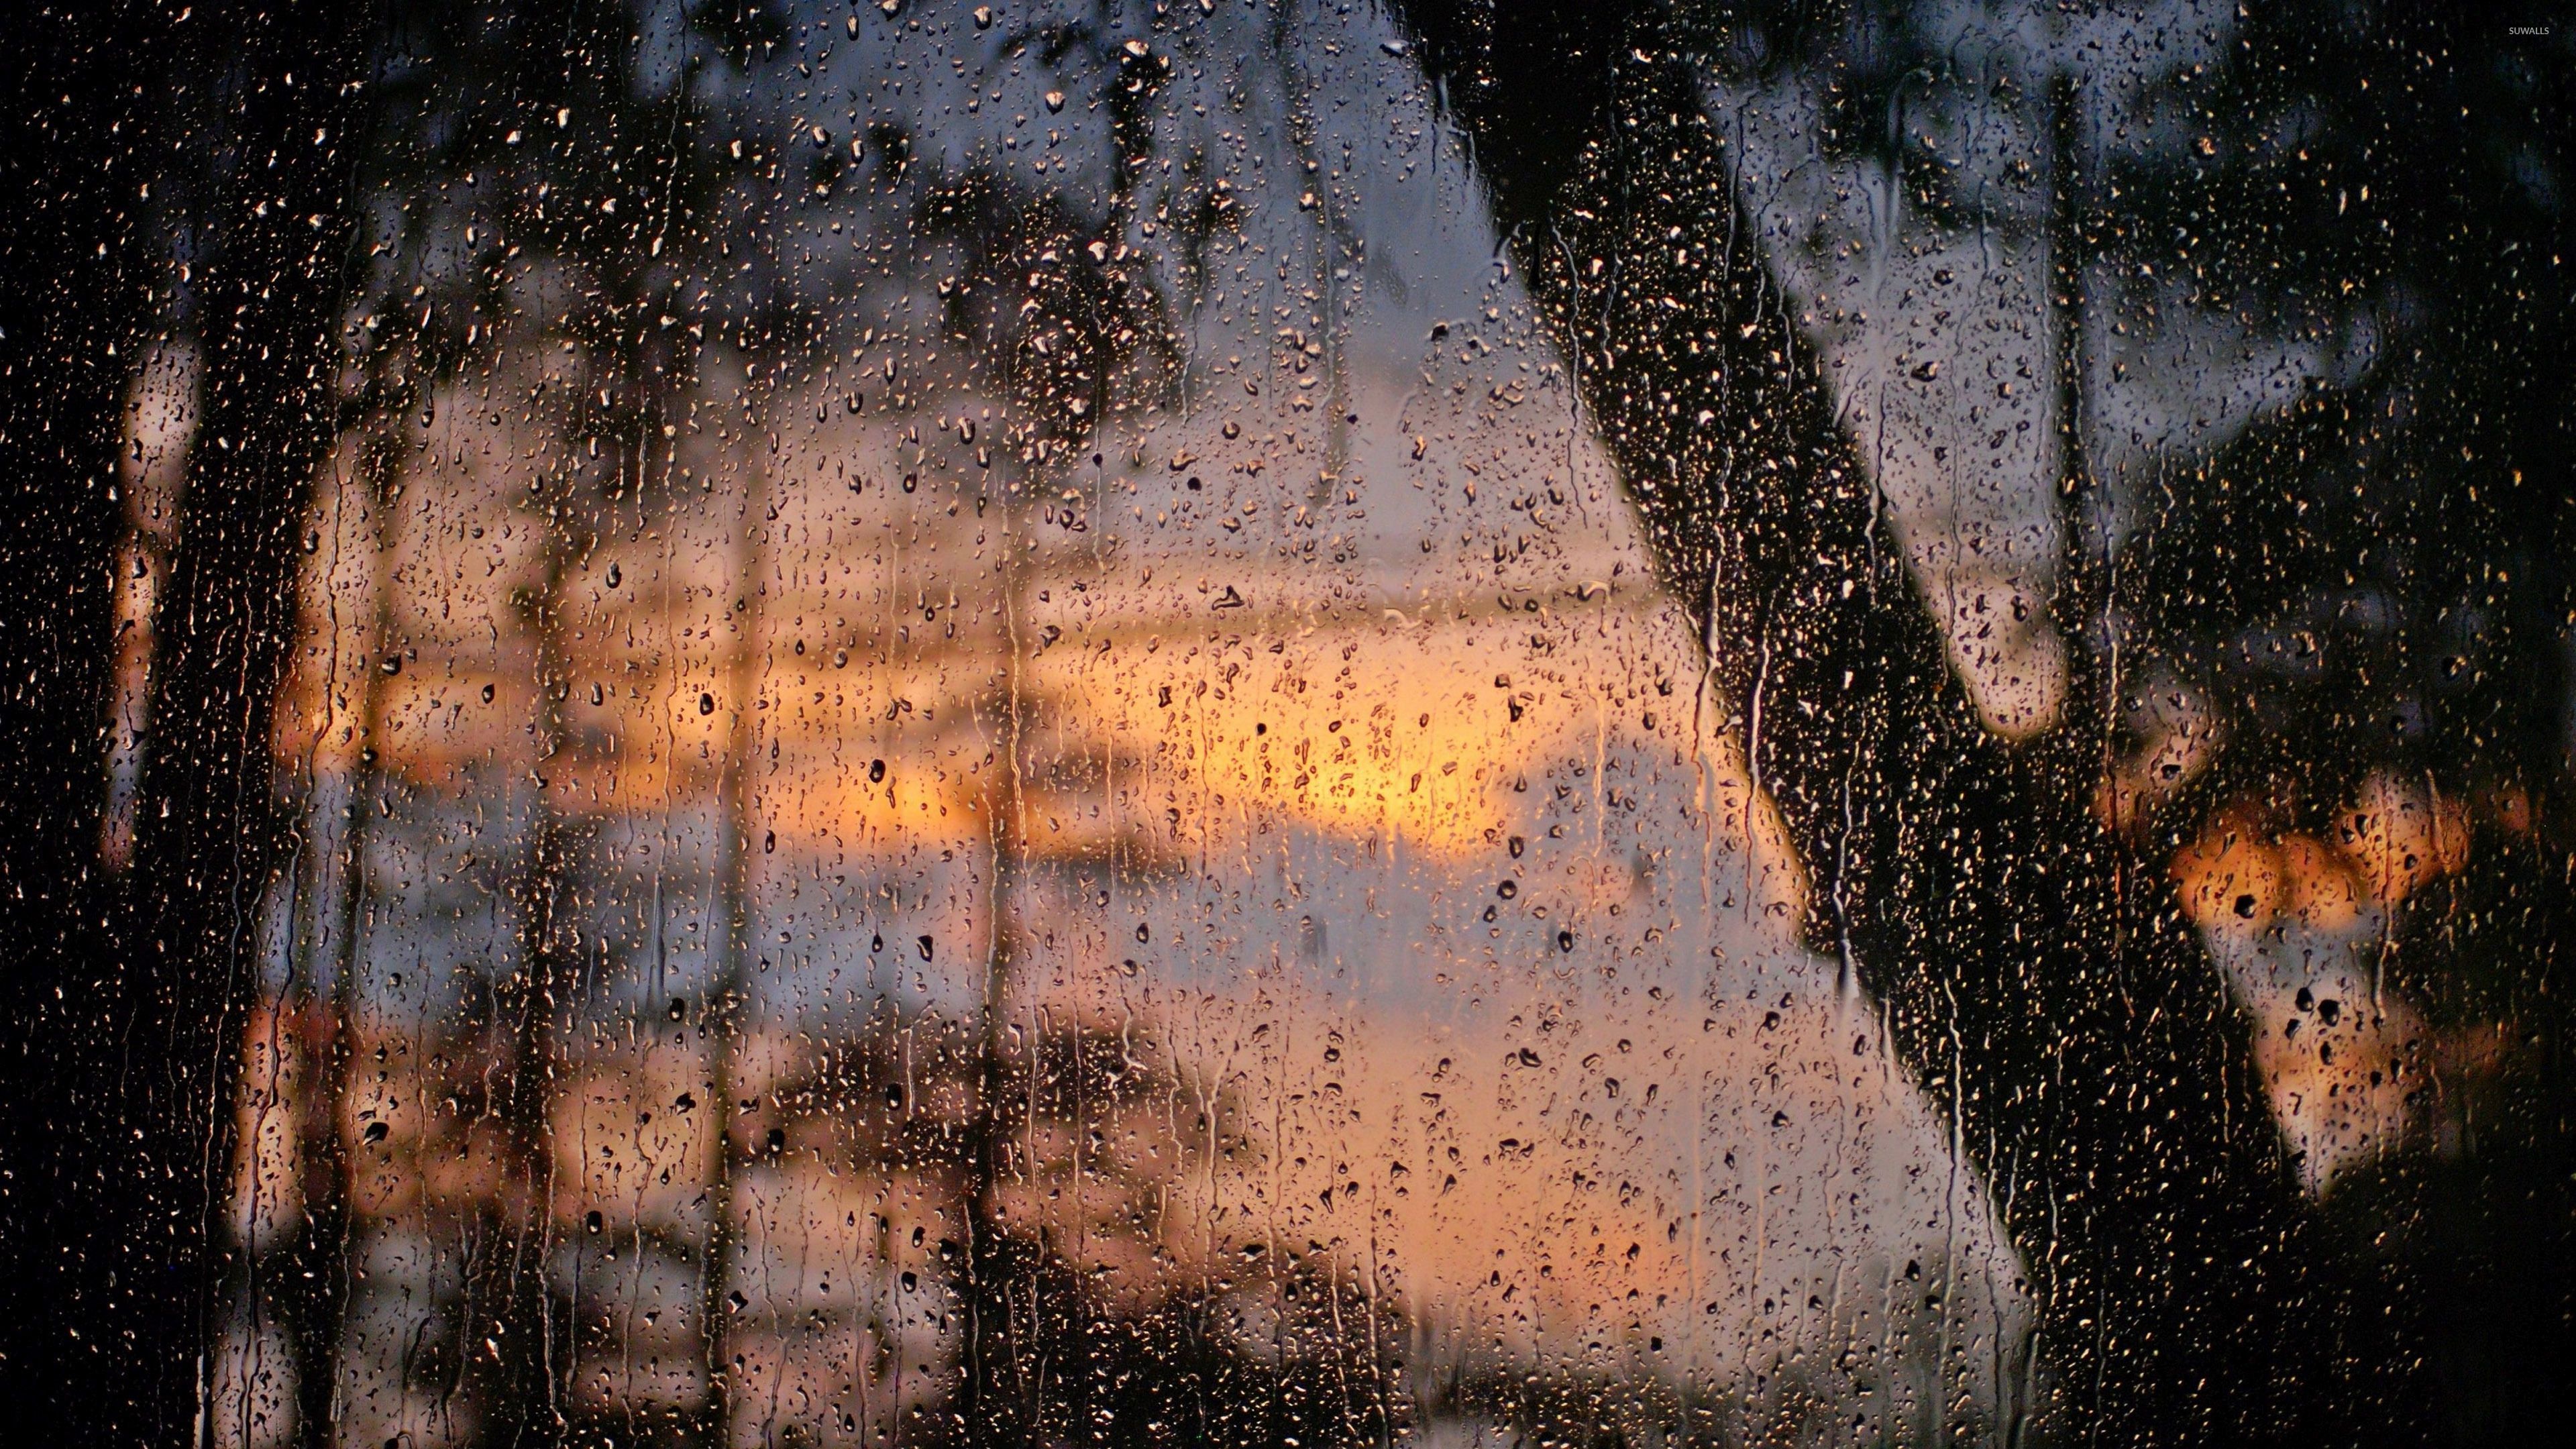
(2038, 978)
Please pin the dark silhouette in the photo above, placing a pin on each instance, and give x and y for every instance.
(133, 1055)
(2040, 986)
(78, 223)
(272, 202)
(2377, 581)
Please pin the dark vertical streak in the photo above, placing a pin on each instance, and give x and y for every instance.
(2079, 746)
(210, 839)
(726, 1009)
(143, 1037)
(321, 1255)
(76, 232)
(521, 1407)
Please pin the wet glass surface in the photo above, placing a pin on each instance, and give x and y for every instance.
(1288, 724)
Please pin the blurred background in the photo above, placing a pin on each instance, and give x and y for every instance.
(768, 723)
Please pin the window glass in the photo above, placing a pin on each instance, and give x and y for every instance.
(1261, 723)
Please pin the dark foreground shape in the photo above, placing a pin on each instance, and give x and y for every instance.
(2043, 990)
